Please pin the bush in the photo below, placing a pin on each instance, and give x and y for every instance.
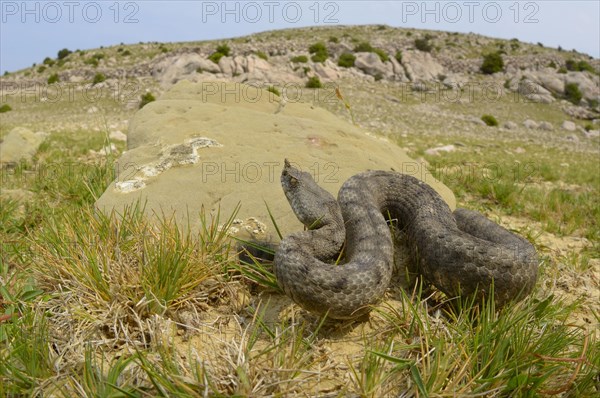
(382, 55)
(398, 56)
(41, 69)
(98, 78)
(572, 93)
(49, 61)
(319, 51)
(317, 48)
(314, 82)
(63, 53)
(53, 78)
(224, 49)
(346, 60)
(146, 99)
(423, 44)
(215, 57)
(299, 59)
(492, 63)
(334, 39)
(319, 57)
(562, 70)
(363, 47)
(489, 120)
(126, 53)
(273, 89)
(552, 64)
(579, 66)
(262, 55)
(5, 108)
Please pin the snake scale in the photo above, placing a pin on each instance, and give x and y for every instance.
(460, 252)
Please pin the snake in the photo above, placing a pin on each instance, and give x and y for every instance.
(460, 252)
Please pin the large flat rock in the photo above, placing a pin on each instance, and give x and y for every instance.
(218, 144)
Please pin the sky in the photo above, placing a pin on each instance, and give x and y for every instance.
(33, 30)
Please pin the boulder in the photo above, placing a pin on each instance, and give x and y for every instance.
(568, 125)
(20, 144)
(420, 66)
(531, 124)
(371, 64)
(217, 144)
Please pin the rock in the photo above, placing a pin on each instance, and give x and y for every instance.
(398, 70)
(371, 64)
(534, 92)
(420, 66)
(588, 84)
(20, 144)
(117, 135)
(568, 125)
(182, 66)
(326, 71)
(227, 66)
(592, 133)
(219, 144)
(437, 150)
(510, 125)
(547, 126)
(530, 124)
(455, 81)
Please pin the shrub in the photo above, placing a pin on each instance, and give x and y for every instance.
(299, 59)
(273, 89)
(588, 127)
(64, 53)
(91, 61)
(126, 53)
(363, 47)
(398, 56)
(593, 103)
(98, 78)
(492, 63)
(319, 57)
(423, 44)
(49, 61)
(41, 69)
(489, 120)
(319, 51)
(224, 49)
(98, 56)
(346, 60)
(314, 82)
(334, 39)
(317, 48)
(382, 55)
(5, 108)
(146, 99)
(572, 93)
(53, 78)
(262, 55)
(215, 57)
(579, 66)
(562, 69)
(552, 64)
(378, 77)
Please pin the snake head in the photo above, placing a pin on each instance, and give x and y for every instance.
(311, 203)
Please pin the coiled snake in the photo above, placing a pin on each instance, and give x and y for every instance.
(460, 252)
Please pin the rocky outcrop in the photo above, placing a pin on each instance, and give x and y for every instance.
(217, 144)
(420, 66)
